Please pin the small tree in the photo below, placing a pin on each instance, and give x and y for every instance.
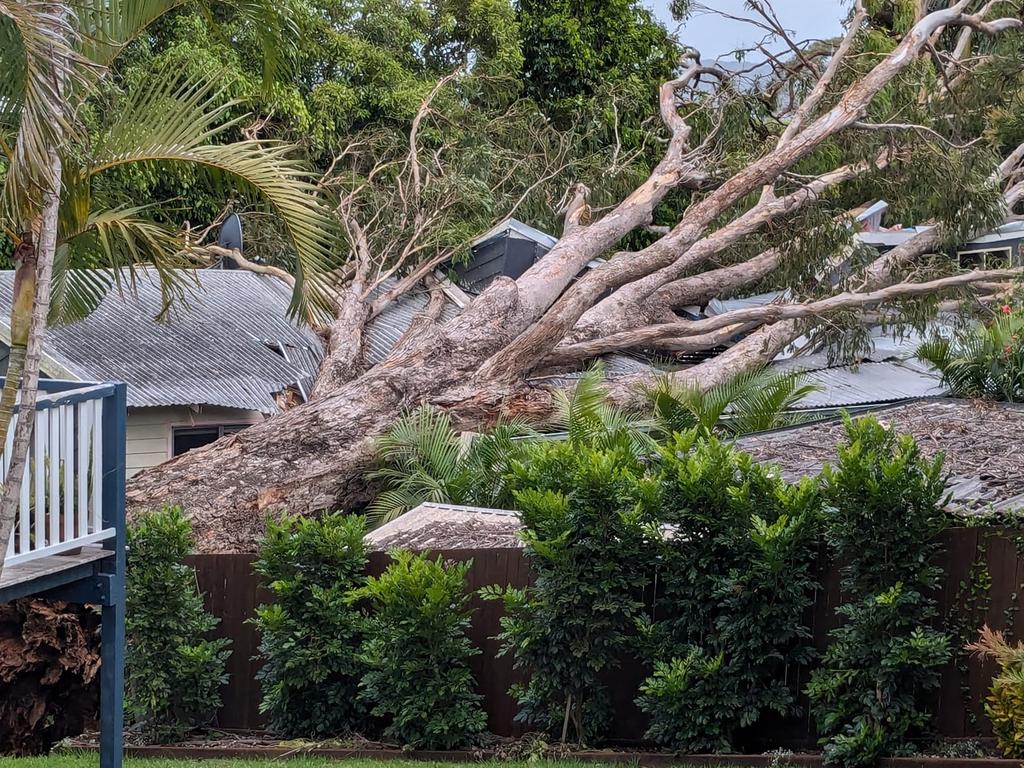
(736, 577)
(417, 653)
(310, 634)
(173, 670)
(884, 509)
(585, 511)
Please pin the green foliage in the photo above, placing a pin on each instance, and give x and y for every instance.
(417, 653)
(884, 509)
(310, 634)
(575, 50)
(736, 578)
(691, 701)
(749, 402)
(173, 670)
(984, 360)
(586, 516)
(424, 459)
(1005, 703)
(108, 130)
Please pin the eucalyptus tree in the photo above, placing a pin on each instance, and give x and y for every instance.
(55, 57)
(919, 107)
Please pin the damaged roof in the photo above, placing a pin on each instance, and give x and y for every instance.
(228, 343)
(980, 439)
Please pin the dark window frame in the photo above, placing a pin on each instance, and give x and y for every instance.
(213, 431)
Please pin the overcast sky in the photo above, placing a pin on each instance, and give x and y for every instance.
(715, 36)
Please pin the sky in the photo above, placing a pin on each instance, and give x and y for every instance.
(715, 36)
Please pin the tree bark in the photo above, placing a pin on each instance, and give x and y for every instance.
(46, 238)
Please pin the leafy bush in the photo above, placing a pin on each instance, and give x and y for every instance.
(983, 360)
(584, 512)
(884, 509)
(1005, 704)
(691, 703)
(736, 578)
(173, 671)
(311, 634)
(417, 653)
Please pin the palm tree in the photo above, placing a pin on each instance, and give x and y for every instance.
(750, 402)
(982, 360)
(54, 56)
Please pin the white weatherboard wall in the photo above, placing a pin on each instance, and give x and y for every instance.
(149, 429)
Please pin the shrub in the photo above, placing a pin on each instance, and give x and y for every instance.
(1005, 704)
(884, 509)
(310, 635)
(691, 702)
(983, 360)
(173, 671)
(736, 579)
(585, 513)
(417, 653)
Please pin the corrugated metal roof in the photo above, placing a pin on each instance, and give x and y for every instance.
(222, 345)
(882, 382)
(384, 331)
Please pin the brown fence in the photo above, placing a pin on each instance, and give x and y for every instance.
(984, 578)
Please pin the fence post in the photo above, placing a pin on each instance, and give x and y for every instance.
(112, 627)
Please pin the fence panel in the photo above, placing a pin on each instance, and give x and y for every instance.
(984, 579)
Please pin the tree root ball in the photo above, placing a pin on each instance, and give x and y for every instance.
(49, 673)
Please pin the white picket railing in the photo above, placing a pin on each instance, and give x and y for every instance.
(61, 505)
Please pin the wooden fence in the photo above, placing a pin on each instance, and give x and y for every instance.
(984, 579)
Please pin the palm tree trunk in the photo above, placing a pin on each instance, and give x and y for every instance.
(21, 320)
(46, 239)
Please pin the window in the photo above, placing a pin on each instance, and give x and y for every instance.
(999, 258)
(184, 439)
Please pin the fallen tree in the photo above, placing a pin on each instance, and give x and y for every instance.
(772, 215)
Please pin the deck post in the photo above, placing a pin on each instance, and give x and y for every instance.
(113, 630)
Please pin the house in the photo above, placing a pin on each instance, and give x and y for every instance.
(225, 357)
(997, 249)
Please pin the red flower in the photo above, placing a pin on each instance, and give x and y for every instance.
(1007, 350)
(1006, 309)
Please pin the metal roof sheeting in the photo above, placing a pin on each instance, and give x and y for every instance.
(225, 344)
(864, 384)
(384, 331)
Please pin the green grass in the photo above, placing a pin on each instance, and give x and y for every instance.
(92, 761)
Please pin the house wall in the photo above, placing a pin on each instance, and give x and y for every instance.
(149, 429)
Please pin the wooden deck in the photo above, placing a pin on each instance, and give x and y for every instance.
(50, 567)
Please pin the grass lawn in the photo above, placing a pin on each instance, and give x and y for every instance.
(92, 761)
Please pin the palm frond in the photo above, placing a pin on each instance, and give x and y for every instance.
(273, 23)
(749, 402)
(765, 401)
(172, 120)
(39, 65)
(105, 27)
(116, 242)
